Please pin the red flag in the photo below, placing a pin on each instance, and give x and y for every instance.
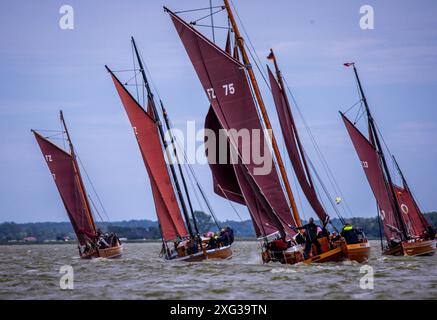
(271, 56)
(348, 64)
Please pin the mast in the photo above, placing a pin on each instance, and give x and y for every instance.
(381, 153)
(80, 183)
(240, 43)
(161, 133)
(181, 173)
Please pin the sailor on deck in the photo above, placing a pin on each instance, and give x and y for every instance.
(311, 237)
(349, 234)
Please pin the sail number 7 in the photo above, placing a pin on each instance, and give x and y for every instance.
(228, 88)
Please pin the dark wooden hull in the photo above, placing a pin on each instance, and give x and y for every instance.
(359, 252)
(218, 253)
(335, 254)
(417, 248)
(108, 253)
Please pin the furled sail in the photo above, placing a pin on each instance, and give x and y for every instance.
(294, 147)
(371, 163)
(224, 80)
(66, 176)
(146, 133)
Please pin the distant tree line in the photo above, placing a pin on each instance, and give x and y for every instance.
(147, 229)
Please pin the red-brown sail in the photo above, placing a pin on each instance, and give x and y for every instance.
(413, 218)
(67, 180)
(224, 80)
(371, 164)
(294, 147)
(146, 133)
(233, 182)
(225, 182)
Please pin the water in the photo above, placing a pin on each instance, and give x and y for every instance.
(32, 272)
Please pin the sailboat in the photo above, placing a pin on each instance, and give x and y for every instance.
(406, 229)
(65, 171)
(189, 245)
(235, 100)
(353, 251)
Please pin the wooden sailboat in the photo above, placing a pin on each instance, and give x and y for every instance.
(233, 93)
(406, 230)
(66, 174)
(353, 251)
(189, 245)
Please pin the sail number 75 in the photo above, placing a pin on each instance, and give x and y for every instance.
(228, 88)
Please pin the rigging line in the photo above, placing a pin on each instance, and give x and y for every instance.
(325, 165)
(354, 105)
(124, 70)
(55, 137)
(359, 115)
(199, 9)
(131, 84)
(95, 208)
(230, 202)
(193, 174)
(204, 17)
(329, 196)
(92, 186)
(209, 26)
(302, 211)
(43, 130)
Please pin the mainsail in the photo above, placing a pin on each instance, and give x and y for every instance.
(67, 178)
(294, 147)
(146, 133)
(371, 163)
(225, 82)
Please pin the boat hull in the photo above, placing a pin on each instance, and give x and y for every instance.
(417, 248)
(334, 255)
(359, 252)
(108, 253)
(223, 253)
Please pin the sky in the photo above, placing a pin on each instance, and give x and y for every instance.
(44, 68)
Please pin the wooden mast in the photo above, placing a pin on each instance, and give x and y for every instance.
(240, 42)
(78, 177)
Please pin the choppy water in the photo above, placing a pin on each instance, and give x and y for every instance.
(32, 272)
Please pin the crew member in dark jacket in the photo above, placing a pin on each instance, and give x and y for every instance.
(349, 234)
(311, 237)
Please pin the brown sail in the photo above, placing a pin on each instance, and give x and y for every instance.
(66, 176)
(224, 81)
(294, 147)
(371, 163)
(146, 133)
(233, 182)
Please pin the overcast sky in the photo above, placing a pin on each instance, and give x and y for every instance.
(44, 68)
